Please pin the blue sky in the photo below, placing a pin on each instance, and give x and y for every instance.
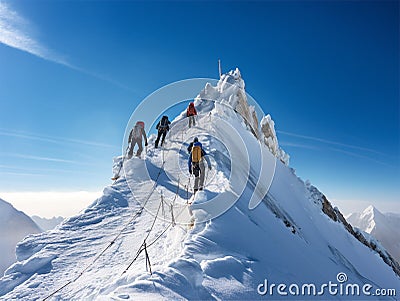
(72, 72)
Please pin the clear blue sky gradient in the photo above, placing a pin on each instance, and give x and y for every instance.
(325, 69)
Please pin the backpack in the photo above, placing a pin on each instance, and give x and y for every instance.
(196, 153)
(164, 122)
(137, 131)
(191, 110)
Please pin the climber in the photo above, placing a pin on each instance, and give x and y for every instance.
(135, 137)
(191, 113)
(163, 128)
(189, 149)
(196, 165)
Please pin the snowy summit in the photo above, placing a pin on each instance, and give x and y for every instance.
(382, 226)
(149, 238)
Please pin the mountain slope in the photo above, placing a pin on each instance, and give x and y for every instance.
(384, 227)
(47, 223)
(14, 226)
(293, 236)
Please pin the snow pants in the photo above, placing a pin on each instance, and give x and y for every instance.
(135, 141)
(199, 171)
(159, 135)
(192, 121)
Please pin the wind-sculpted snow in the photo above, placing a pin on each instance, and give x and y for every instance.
(248, 228)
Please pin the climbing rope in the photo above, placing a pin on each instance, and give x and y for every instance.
(173, 223)
(138, 212)
(144, 245)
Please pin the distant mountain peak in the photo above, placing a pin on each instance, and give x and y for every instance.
(383, 227)
(14, 226)
(47, 223)
(371, 209)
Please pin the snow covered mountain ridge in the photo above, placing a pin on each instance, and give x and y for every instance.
(384, 227)
(367, 240)
(14, 226)
(149, 238)
(230, 91)
(47, 223)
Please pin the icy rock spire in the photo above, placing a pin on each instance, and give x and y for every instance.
(270, 139)
(230, 91)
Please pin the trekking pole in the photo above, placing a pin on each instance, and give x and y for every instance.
(115, 178)
(162, 206)
(187, 191)
(207, 172)
(172, 215)
(148, 264)
(126, 151)
(177, 189)
(205, 181)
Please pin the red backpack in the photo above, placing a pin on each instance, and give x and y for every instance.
(137, 130)
(191, 110)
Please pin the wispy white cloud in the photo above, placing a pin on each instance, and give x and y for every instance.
(15, 32)
(47, 159)
(298, 145)
(57, 140)
(16, 170)
(21, 174)
(321, 140)
(357, 155)
(334, 149)
(338, 147)
(38, 158)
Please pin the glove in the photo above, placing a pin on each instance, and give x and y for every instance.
(146, 144)
(190, 171)
(209, 167)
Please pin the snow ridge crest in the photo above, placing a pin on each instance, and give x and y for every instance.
(230, 92)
